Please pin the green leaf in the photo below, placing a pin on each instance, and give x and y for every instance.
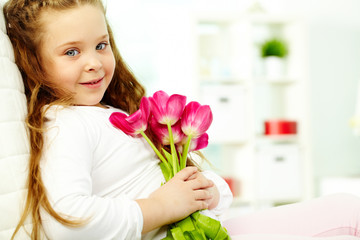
(165, 171)
(168, 156)
(186, 225)
(222, 234)
(198, 233)
(177, 234)
(175, 160)
(185, 152)
(188, 236)
(168, 235)
(208, 224)
(156, 150)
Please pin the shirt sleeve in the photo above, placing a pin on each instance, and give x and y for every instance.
(226, 196)
(66, 168)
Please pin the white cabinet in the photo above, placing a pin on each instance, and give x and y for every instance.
(278, 172)
(231, 78)
(228, 103)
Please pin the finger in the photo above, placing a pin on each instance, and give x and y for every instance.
(202, 195)
(186, 173)
(201, 204)
(200, 183)
(194, 176)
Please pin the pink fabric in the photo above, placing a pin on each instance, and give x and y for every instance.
(327, 216)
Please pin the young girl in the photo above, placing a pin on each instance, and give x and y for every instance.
(88, 180)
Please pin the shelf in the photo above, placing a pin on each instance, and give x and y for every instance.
(278, 81)
(284, 138)
(243, 92)
(221, 80)
(235, 80)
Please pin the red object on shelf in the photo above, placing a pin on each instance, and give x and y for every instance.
(280, 127)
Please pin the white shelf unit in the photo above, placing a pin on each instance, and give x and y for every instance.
(231, 79)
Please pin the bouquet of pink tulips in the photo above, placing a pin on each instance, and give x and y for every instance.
(183, 128)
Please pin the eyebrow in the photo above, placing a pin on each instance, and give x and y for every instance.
(77, 42)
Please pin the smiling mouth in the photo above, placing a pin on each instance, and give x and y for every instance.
(93, 82)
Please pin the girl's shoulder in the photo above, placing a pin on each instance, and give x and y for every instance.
(77, 116)
(64, 112)
(87, 122)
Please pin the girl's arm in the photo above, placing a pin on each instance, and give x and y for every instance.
(67, 171)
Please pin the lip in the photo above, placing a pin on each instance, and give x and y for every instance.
(93, 83)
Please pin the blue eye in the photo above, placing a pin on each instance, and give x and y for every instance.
(72, 52)
(101, 46)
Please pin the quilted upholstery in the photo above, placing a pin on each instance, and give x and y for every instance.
(14, 146)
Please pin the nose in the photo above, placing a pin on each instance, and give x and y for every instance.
(93, 62)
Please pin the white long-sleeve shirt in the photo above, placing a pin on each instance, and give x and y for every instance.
(92, 170)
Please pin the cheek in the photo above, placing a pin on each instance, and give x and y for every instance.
(56, 74)
(110, 64)
(64, 79)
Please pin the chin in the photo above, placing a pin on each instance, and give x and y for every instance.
(89, 100)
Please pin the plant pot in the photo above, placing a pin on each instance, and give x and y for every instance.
(274, 67)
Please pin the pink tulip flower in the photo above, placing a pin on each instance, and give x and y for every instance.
(167, 110)
(195, 144)
(196, 119)
(162, 133)
(199, 143)
(134, 124)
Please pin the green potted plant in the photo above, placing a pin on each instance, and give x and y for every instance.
(274, 47)
(274, 52)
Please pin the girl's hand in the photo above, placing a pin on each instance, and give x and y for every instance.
(213, 191)
(187, 192)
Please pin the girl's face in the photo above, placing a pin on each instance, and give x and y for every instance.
(76, 54)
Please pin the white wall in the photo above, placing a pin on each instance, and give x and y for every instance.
(334, 77)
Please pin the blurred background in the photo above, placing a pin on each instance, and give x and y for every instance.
(282, 79)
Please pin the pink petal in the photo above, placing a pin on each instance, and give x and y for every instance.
(175, 107)
(189, 113)
(145, 108)
(203, 119)
(167, 109)
(160, 131)
(178, 134)
(199, 143)
(196, 119)
(157, 110)
(118, 120)
(161, 97)
(190, 110)
(136, 122)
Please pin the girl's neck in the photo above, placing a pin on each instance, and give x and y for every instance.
(97, 105)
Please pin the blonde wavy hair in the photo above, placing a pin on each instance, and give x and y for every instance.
(25, 29)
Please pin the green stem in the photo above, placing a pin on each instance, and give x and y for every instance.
(156, 151)
(175, 162)
(185, 152)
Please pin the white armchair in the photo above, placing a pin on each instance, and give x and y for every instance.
(14, 147)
